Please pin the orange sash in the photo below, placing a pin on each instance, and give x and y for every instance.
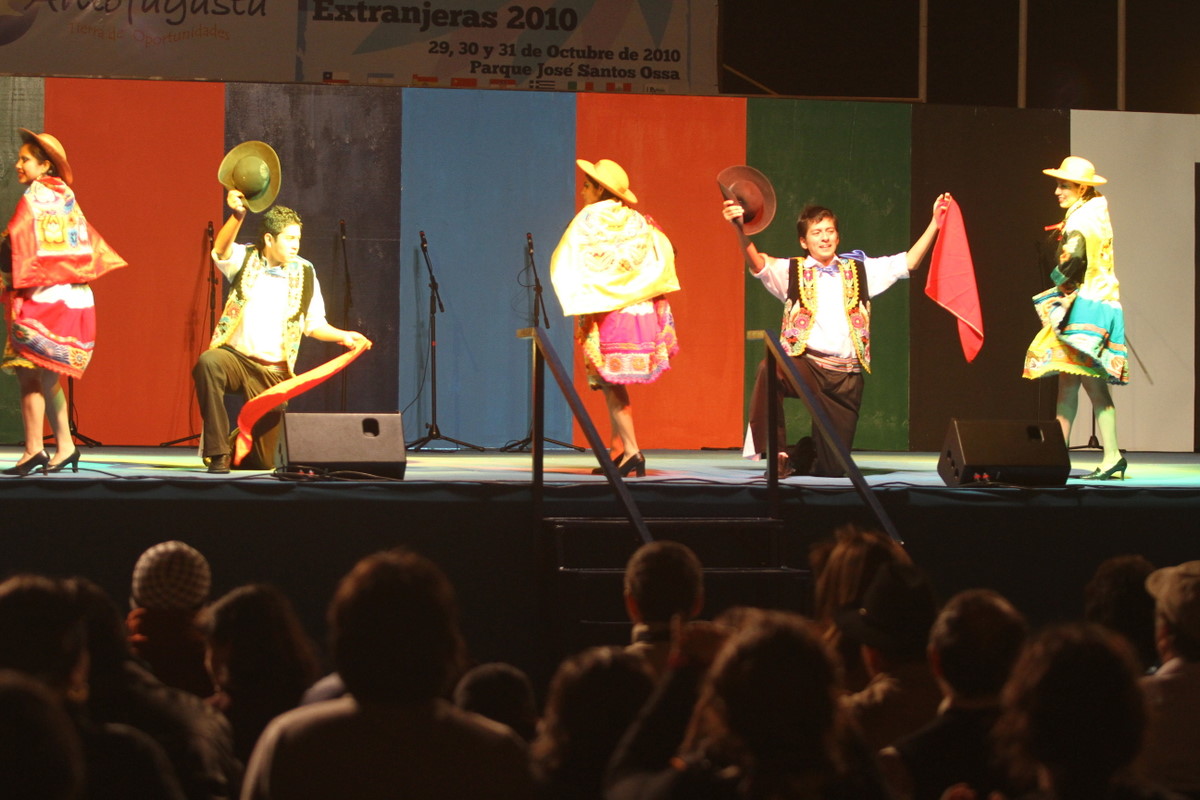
(283, 391)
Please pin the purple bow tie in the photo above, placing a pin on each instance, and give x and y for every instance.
(832, 269)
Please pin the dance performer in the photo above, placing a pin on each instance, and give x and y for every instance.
(613, 268)
(274, 299)
(826, 329)
(1083, 335)
(51, 314)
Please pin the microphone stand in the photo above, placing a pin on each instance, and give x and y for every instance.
(346, 298)
(539, 309)
(213, 283)
(435, 305)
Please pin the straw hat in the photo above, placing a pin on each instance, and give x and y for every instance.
(252, 168)
(609, 175)
(1077, 170)
(53, 149)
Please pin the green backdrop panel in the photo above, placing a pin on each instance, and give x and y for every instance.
(854, 159)
(21, 104)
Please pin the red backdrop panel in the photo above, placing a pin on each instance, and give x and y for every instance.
(145, 157)
(673, 148)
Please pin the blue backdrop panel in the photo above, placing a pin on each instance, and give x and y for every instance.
(481, 169)
(339, 148)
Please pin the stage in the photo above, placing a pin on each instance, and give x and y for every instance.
(529, 589)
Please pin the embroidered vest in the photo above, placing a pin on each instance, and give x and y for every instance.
(801, 305)
(300, 291)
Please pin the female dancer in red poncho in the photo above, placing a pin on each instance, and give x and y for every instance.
(612, 268)
(50, 315)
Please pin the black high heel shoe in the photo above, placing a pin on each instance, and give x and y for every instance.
(617, 461)
(1110, 473)
(71, 461)
(636, 464)
(38, 461)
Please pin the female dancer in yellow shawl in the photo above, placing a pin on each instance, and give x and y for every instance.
(51, 316)
(612, 268)
(1083, 335)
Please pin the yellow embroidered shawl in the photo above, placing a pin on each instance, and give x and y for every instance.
(611, 256)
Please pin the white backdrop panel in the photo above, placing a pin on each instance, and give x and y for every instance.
(1149, 160)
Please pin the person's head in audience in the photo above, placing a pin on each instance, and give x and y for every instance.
(502, 693)
(844, 567)
(256, 644)
(594, 696)
(42, 634)
(108, 647)
(663, 579)
(171, 576)
(1116, 598)
(40, 754)
(1073, 715)
(1176, 593)
(973, 644)
(772, 689)
(394, 629)
(892, 624)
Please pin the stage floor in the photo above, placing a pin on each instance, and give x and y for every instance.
(881, 470)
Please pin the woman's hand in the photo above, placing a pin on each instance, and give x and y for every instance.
(732, 211)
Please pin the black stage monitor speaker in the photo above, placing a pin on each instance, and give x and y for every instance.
(370, 443)
(1004, 451)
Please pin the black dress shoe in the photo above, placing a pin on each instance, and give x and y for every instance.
(785, 467)
(218, 464)
(804, 456)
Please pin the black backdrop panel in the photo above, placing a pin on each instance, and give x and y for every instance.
(339, 148)
(991, 160)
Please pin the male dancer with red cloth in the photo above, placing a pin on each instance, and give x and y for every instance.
(826, 329)
(274, 299)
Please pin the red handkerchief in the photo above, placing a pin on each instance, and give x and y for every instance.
(951, 282)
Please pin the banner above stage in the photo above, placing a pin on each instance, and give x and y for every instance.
(645, 46)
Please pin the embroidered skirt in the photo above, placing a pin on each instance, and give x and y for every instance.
(1079, 336)
(52, 327)
(630, 345)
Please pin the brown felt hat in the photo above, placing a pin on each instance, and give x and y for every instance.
(53, 149)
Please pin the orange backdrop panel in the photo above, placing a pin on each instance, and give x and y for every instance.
(145, 157)
(673, 148)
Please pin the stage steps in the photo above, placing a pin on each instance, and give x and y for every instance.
(746, 562)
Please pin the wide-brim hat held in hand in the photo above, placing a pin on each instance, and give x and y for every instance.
(252, 168)
(753, 191)
(611, 176)
(1077, 170)
(53, 149)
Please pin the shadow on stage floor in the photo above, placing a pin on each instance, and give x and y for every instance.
(473, 513)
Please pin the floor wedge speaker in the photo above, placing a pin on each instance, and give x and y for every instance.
(370, 443)
(1015, 452)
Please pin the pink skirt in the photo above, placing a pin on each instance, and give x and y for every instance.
(630, 345)
(51, 327)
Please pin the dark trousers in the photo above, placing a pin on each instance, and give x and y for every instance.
(225, 370)
(838, 393)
